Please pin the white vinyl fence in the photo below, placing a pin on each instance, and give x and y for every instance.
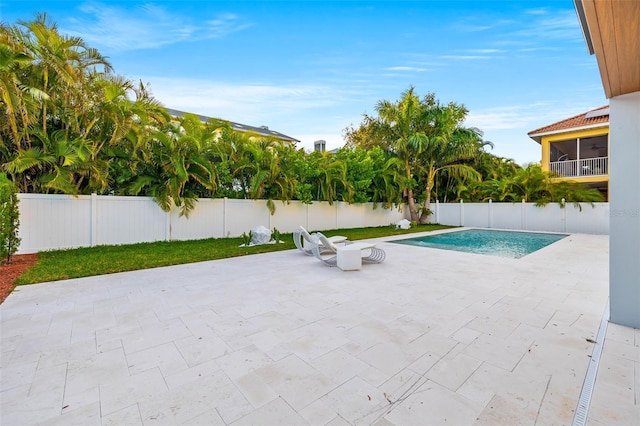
(63, 221)
(585, 219)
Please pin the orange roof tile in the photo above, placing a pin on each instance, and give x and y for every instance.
(588, 118)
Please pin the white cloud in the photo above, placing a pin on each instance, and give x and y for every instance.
(540, 11)
(406, 69)
(295, 110)
(486, 51)
(467, 57)
(149, 26)
(559, 25)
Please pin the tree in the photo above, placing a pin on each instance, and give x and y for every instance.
(60, 64)
(428, 139)
(174, 164)
(328, 177)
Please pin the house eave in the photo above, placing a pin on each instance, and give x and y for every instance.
(539, 135)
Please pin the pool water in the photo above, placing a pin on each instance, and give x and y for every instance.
(510, 244)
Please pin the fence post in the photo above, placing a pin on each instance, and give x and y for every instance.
(490, 213)
(306, 225)
(268, 218)
(523, 225)
(224, 217)
(94, 219)
(564, 215)
(437, 211)
(461, 213)
(167, 225)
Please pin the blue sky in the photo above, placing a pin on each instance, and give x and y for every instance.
(310, 69)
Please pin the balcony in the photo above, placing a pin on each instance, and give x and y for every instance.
(598, 166)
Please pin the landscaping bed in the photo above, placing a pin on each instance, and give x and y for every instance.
(10, 271)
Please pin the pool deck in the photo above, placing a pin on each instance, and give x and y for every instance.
(427, 337)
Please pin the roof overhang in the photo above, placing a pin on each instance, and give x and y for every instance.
(612, 31)
(538, 136)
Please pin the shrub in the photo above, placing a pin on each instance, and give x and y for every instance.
(9, 218)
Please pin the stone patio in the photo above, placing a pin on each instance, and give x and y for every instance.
(427, 337)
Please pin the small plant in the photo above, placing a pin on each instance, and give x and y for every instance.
(9, 218)
(246, 239)
(275, 235)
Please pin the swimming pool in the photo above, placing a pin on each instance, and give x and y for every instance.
(512, 244)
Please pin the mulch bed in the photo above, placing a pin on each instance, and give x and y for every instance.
(12, 270)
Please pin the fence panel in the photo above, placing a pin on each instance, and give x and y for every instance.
(477, 215)
(206, 220)
(449, 214)
(591, 220)
(128, 220)
(54, 221)
(289, 216)
(381, 216)
(322, 216)
(243, 215)
(549, 218)
(350, 216)
(507, 215)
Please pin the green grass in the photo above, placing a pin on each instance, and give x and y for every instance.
(84, 262)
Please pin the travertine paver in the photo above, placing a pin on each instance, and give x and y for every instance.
(427, 337)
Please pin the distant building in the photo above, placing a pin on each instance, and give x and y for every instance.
(577, 148)
(320, 145)
(260, 131)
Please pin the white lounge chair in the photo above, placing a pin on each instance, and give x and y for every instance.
(369, 253)
(304, 241)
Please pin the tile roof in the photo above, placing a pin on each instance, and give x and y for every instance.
(590, 118)
(262, 130)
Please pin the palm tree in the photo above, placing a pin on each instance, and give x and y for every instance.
(15, 96)
(175, 165)
(399, 125)
(60, 64)
(326, 177)
(271, 178)
(429, 139)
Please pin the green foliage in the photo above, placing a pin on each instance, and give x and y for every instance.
(246, 238)
(9, 218)
(428, 140)
(275, 235)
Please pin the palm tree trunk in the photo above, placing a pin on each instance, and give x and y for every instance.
(413, 211)
(425, 216)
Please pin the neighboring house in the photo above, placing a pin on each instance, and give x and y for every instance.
(577, 148)
(258, 131)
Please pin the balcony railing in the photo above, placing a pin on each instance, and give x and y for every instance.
(585, 167)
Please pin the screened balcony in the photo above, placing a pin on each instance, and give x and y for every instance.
(580, 157)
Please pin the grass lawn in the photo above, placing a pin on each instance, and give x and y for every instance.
(84, 262)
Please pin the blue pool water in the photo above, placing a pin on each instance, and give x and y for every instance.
(484, 241)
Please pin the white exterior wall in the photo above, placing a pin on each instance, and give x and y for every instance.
(624, 195)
